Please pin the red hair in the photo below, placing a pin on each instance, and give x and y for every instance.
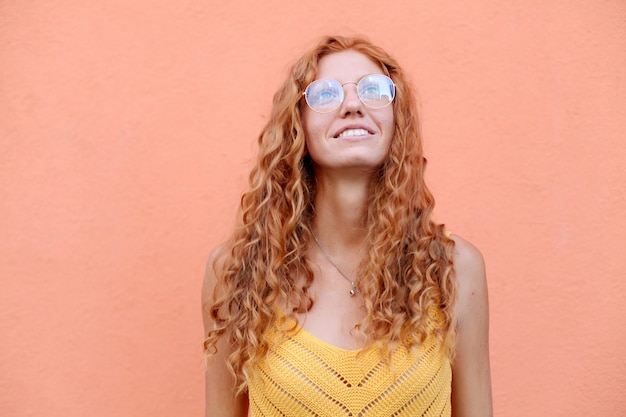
(408, 268)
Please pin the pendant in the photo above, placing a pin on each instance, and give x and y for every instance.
(353, 291)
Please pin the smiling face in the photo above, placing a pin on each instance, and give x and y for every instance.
(353, 136)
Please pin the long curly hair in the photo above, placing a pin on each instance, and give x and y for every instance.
(408, 269)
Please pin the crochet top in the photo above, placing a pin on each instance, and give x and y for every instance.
(302, 375)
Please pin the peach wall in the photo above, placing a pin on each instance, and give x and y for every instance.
(127, 130)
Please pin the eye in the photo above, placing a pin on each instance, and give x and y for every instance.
(324, 94)
(370, 90)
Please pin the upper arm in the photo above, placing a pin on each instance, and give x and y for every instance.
(219, 382)
(471, 374)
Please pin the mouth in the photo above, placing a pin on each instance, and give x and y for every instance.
(353, 132)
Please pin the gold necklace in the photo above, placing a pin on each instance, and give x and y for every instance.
(354, 290)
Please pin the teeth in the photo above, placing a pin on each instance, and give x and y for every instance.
(353, 132)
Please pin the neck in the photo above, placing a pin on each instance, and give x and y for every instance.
(340, 209)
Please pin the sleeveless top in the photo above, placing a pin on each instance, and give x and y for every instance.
(301, 375)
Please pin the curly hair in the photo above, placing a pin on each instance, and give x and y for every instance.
(408, 268)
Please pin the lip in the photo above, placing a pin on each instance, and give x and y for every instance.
(354, 126)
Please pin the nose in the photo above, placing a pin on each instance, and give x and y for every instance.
(352, 104)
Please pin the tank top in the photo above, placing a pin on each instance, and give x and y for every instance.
(302, 375)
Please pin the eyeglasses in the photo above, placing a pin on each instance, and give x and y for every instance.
(375, 91)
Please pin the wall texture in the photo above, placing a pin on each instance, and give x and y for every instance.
(127, 130)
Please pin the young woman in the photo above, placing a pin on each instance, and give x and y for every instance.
(338, 295)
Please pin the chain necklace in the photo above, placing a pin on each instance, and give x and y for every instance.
(354, 290)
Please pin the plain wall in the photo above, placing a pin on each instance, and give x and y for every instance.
(128, 128)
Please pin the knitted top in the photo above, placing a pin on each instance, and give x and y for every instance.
(305, 376)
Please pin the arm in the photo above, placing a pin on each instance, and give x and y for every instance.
(219, 383)
(471, 374)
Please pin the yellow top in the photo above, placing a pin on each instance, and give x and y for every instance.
(305, 376)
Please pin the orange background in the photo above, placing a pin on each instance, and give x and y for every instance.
(127, 131)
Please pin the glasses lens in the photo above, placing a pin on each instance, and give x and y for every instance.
(376, 91)
(324, 96)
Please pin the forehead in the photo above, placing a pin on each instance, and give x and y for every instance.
(346, 66)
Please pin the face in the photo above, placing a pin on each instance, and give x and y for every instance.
(353, 136)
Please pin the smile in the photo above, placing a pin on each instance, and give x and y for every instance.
(353, 132)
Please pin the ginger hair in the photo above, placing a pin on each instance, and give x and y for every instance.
(408, 267)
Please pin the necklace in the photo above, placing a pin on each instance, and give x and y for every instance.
(354, 290)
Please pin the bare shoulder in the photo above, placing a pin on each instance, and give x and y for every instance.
(469, 267)
(221, 400)
(209, 283)
(469, 264)
(213, 267)
(471, 381)
(467, 257)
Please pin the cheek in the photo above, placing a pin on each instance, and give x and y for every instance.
(312, 147)
(311, 122)
(308, 125)
(315, 127)
(315, 143)
(390, 126)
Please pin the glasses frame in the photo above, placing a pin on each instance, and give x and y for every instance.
(343, 95)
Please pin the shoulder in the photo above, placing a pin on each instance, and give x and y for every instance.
(220, 397)
(215, 264)
(212, 271)
(466, 255)
(469, 267)
(471, 381)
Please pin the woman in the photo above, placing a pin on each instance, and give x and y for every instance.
(338, 295)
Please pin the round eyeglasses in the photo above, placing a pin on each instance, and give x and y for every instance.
(375, 91)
